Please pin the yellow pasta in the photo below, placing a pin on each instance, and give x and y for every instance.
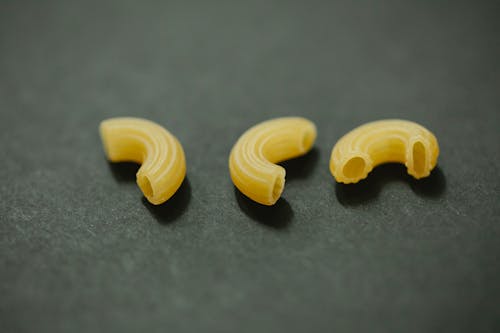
(252, 160)
(142, 141)
(385, 141)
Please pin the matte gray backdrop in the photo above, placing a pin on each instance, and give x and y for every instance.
(82, 251)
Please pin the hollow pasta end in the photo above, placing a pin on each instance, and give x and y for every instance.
(419, 159)
(354, 169)
(145, 186)
(278, 187)
(308, 138)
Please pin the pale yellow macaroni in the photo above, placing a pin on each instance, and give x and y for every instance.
(385, 141)
(252, 160)
(142, 141)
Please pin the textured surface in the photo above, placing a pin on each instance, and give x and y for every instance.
(381, 142)
(254, 159)
(82, 251)
(161, 156)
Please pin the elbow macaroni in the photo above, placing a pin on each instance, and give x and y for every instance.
(160, 153)
(252, 160)
(369, 145)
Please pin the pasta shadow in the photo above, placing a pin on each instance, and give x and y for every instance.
(301, 167)
(174, 208)
(278, 216)
(124, 171)
(368, 189)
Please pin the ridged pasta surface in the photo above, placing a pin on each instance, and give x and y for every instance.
(384, 141)
(162, 159)
(253, 159)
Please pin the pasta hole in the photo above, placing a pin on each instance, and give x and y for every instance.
(278, 188)
(307, 140)
(354, 168)
(145, 186)
(419, 160)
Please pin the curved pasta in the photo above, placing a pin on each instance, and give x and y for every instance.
(385, 141)
(142, 141)
(252, 160)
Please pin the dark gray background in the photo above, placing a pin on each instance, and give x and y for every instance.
(82, 251)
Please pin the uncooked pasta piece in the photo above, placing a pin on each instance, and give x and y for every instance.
(142, 141)
(385, 141)
(252, 160)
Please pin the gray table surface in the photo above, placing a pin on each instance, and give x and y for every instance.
(82, 251)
